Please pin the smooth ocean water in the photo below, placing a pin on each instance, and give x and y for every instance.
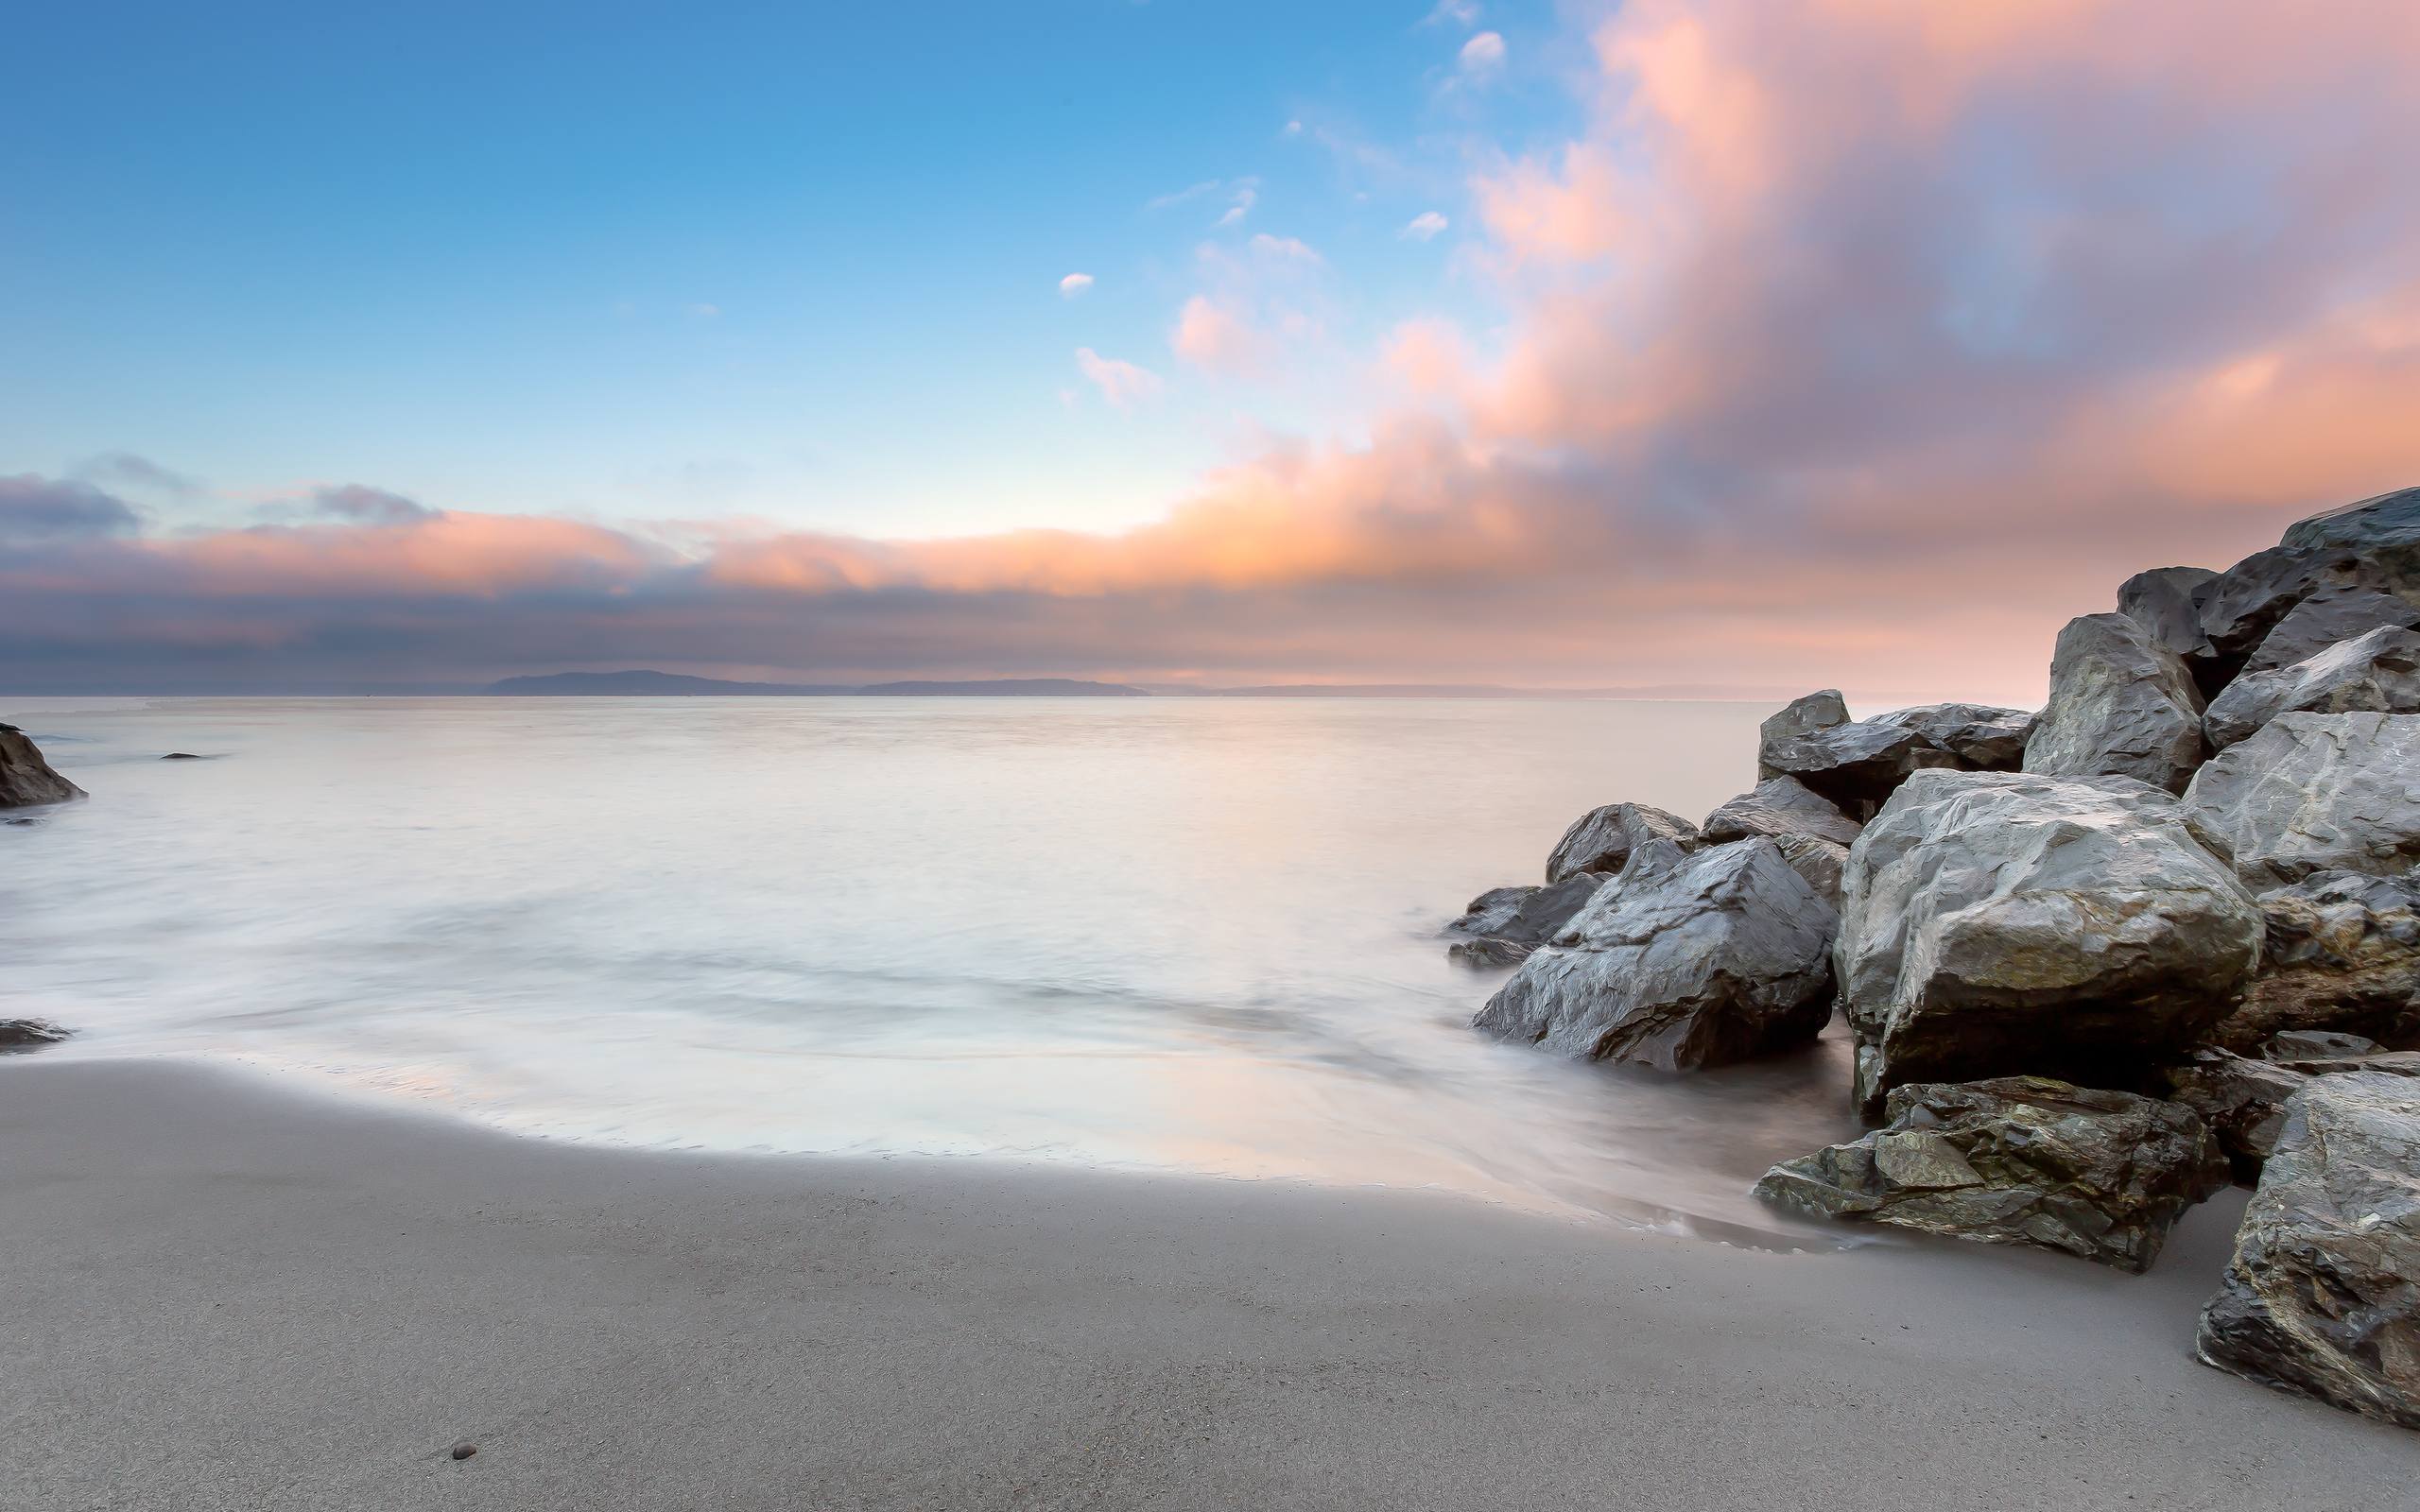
(1195, 935)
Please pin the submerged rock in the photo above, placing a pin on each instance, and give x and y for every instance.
(1995, 922)
(1799, 716)
(1779, 806)
(2017, 1160)
(2120, 706)
(25, 779)
(28, 1034)
(2341, 952)
(2326, 618)
(1601, 839)
(1504, 924)
(2322, 1295)
(2166, 601)
(1982, 736)
(1684, 961)
(2377, 672)
(2314, 793)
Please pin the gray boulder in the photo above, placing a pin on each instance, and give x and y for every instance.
(17, 1034)
(2377, 672)
(25, 779)
(1982, 736)
(2326, 618)
(2387, 520)
(1858, 766)
(2322, 1296)
(1503, 925)
(1822, 863)
(1993, 922)
(2313, 793)
(2120, 706)
(2341, 952)
(2249, 598)
(1601, 839)
(1799, 716)
(2243, 1100)
(1779, 806)
(2166, 601)
(2303, 1045)
(1717, 959)
(2017, 1160)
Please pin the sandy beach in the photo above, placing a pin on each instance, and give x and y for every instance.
(225, 1293)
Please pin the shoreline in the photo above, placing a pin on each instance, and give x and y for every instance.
(233, 1294)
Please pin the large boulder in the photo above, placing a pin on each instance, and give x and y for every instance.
(2383, 521)
(2166, 601)
(2242, 1099)
(1799, 716)
(1601, 839)
(1822, 863)
(2323, 1293)
(2017, 1160)
(1856, 765)
(2249, 598)
(2377, 672)
(1504, 924)
(1983, 736)
(25, 779)
(2341, 952)
(1993, 922)
(1720, 958)
(1779, 806)
(2120, 706)
(2311, 793)
(2326, 618)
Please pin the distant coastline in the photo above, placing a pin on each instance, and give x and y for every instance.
(639, 682)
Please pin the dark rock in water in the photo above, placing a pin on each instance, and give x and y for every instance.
(2327, 618)
(181, 756)
(28, 1034)
(1683, 962)
(1982, 736)
(1502, 926)
(2166, 601)
(1799, 716)
(2322, 1296)
(2017, 1160)
(2386, 520)
(2120, 706)
(2341, 952)
(1488, 953)
(2314, 793)
(2377, 672)
(1779, 806)
(1492, 911)
(1996, 923)
(1858, 766)
(25, 779)
(2318, 1044)
(1601, 839)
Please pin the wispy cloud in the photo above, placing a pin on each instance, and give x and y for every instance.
(1463, 13)
(1246, 195)
(1423, 227)
(1286, 250)
(1483, 57)
(1121, 382)
(1074, 283)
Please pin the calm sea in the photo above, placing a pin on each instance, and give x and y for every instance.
(1193, 935)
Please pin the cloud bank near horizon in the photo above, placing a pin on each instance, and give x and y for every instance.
(1852, 342)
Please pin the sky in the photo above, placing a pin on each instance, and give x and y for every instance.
(1696, 345)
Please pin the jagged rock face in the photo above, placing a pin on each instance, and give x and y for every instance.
(2249, 598)
(1799, 716)
(1820, 863)
(2166, 601)
(1601, 839)
(1720, 958)
(1995, 922)
(2017, 1160)
(25, 779)
(2242, 1100)
(2323, 1293)
(2377, 673)
(2324, 619)
(1779, 806)
(2385, 519)
(1858, 766)
(2313, 793)
(2341, 952)
(1983, 736)
(2120, 706)
(1504, 924)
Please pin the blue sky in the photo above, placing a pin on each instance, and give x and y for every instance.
(799, 261)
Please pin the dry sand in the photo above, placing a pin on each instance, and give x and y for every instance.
(225, 1294)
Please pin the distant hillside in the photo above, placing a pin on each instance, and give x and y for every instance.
(675, 684)
(1005, 688)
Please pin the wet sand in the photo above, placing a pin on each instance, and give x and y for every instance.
(224, 1293)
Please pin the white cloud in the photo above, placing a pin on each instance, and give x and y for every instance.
(1218, 339)
(1286, 250)
(1074, 283)
(1463, 13)
(1246, 195)
(1424, 226)
(1122, 384)
(1483, 54)
(1191, 191)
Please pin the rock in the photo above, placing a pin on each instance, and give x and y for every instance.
(1858, 766)
(1601, 839)
(2119, 706)
(1799, 716)
(25, 779)
(2313, 793)
(2166, 601)
(1982, 736)
(2017, 1160)
(181, 756)
(2326, 618)
(2323, 1293)
(2341, 952)
(1779, 806)
(1821, 862)
(1503, 925)
(2319, 1045)
(1993, 922)
(2249, 598)
(2242, 1099)
(1717, 959)
(2385, 519)
(2377, 672)
(28, 1034)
